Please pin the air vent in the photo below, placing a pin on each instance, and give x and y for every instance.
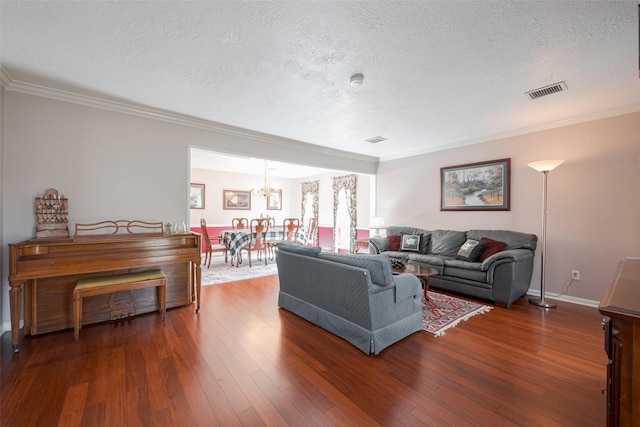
(547, 90)
(376, 139)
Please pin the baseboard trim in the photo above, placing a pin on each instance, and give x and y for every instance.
(566, 298)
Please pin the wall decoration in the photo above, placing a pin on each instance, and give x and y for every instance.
(52, 211)
(476, 186)
(196, 196)
(274, 200)
(239, 200)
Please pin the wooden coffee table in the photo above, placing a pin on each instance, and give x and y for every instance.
(422, 272)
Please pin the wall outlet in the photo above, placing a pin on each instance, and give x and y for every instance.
(575, 274)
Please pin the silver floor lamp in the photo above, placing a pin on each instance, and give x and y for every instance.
(544, 166)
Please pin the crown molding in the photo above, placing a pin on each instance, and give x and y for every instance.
(628, 109)
(175, 118)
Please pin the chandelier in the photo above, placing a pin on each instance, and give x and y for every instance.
(265, 191)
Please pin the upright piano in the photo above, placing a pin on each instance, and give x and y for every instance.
(49, 268)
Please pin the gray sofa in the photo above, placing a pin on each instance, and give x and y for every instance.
(502, 278)
(355, 297)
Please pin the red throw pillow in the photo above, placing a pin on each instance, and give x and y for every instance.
(394, 242)
(493, 247)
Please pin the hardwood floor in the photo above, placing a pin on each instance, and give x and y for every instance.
(243, 361)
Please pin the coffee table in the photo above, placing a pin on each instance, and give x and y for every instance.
(422, 272)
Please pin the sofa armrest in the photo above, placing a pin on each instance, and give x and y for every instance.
(378, 245)
(407, 286)
(510, 255)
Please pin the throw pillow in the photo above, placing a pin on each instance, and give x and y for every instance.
(471, 250)
(493, 247)
(410, 242)
(424, 243)
(394, 242)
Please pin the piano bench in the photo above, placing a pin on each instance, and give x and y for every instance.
(109, 284)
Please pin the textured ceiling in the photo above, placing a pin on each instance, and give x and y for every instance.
(436, 73)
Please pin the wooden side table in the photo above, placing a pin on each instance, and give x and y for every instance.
(362, 244)
(421, 272)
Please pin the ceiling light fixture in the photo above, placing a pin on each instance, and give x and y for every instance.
(265, 191)
(356, 80)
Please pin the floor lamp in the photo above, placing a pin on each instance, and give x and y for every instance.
(544, 166)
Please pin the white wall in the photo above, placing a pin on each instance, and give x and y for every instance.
(593, 198)
(217, 181)
(112, 165)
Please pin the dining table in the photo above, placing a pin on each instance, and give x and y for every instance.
(237, 238)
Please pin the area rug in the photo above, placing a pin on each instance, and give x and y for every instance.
(221, 272)
(442, 312)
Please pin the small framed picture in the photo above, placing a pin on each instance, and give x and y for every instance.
(196, 196)
(274, 201)
(238, 200)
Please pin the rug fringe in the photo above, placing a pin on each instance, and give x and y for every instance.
(480, 310)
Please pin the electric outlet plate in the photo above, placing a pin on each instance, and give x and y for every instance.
(575, 274)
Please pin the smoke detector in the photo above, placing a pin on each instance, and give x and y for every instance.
(356, 80)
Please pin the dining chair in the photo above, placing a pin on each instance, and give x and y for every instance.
(210, 247)
(271, 242)
(258, 228)
(239, 223)
(312, 231)
(290, 228)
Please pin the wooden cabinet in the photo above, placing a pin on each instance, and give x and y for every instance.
(621, 305)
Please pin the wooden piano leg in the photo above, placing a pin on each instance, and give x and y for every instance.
(15, 300)
(198, 286)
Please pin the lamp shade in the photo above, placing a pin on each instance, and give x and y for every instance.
(545, 165)
(376, 223)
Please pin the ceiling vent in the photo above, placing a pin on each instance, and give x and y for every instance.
(376, 139)
(547, 90)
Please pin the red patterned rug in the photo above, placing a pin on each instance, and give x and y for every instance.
(442, 312)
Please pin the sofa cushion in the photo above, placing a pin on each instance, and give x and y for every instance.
(493, 247)
(410, 242)
(379, 266)
(447, 242)
(299, 248)
(398, 255)
(430, 259)
(514, 239)
(434, 261)
(471, 250)
(394, 242)
(463, 264)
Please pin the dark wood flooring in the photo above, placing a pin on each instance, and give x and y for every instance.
(243, 361)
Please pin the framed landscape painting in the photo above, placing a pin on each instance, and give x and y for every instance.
(239, 200)
(482, 186)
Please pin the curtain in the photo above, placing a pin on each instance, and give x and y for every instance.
(348, 183)
(310, 189)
